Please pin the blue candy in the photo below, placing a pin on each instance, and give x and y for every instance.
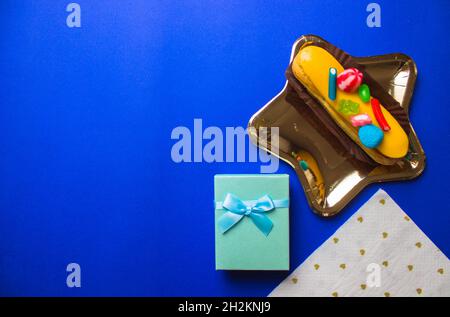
(370, 136)
(332, 75)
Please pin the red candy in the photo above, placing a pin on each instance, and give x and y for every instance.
(376, 108)
(349, 80)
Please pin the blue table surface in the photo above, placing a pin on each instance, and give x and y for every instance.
(86, 116)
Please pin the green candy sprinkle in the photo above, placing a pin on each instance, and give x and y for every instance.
(348, 107)
(364, 93)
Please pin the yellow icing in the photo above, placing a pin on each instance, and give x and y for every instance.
(311, 67)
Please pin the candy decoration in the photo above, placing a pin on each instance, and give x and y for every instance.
(376, 108)
(332, 83)
(304, 165)
(348, 107)
(364, 93)
(370, 136)
(349, 80)
(360, 120)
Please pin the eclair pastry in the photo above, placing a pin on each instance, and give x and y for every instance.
(311, 68)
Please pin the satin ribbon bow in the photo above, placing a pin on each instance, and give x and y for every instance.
(255, 209)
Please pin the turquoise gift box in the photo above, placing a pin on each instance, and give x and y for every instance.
(252, 221)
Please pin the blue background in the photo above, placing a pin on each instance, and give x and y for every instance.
(86, 116)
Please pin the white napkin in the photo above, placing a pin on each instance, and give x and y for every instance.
(379, 251)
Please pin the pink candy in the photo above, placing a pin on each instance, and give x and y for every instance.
(349, 80)
(360, 120)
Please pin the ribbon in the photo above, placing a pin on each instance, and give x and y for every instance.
(255, 209)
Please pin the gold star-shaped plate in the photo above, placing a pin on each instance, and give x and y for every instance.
(331, 177)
